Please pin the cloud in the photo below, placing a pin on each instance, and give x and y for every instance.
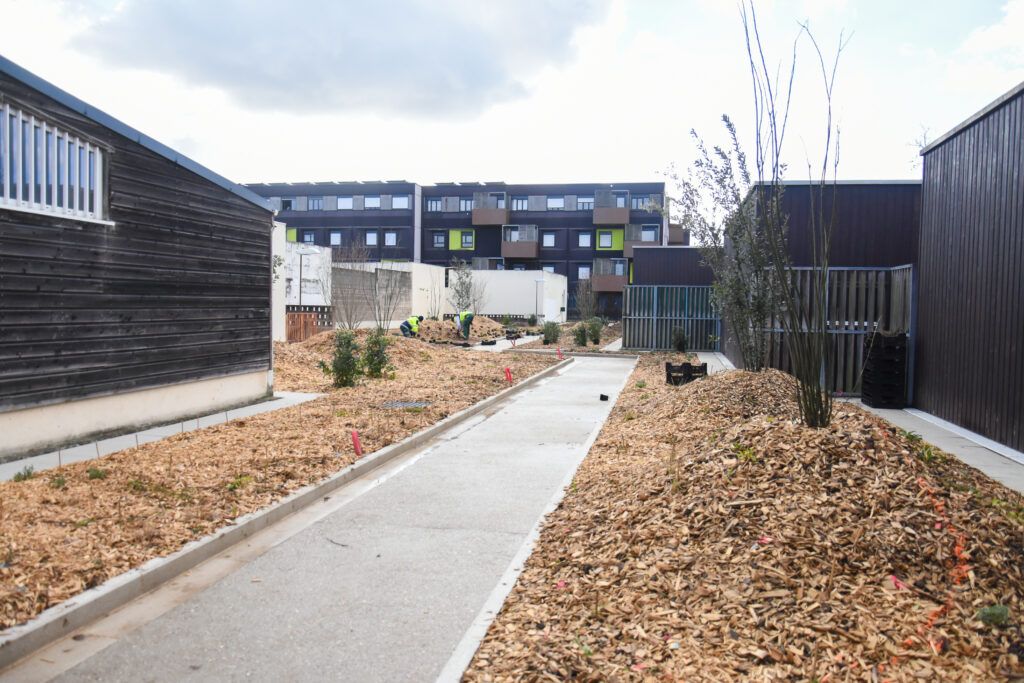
(433, 58)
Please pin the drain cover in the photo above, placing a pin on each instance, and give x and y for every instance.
(405, 404)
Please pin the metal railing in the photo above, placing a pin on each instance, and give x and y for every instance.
(651, 313)
(611, 266)
(635, 233)
(519, 233)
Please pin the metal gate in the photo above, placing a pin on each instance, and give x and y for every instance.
(651, 312)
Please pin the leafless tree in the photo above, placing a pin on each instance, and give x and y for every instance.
(348, 305)
(586, 299)
(435, 294)
(477, 294)
(460, 285)
(803, 309)
(384, 291)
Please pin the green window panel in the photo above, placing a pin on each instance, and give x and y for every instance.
(292, 235)
(617, 235)
(461, 240)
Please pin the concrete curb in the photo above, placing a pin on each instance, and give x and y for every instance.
(581, 354)
(84, 608)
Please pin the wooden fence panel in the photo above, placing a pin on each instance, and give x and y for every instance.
(300, 326)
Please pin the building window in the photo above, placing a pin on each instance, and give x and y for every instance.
(400, 201)
(438, 238)
(512, 233)
(467, 239)
(548, 267)
(620, 200)
(556, 203)
(465, 203)
(547, 239)
(583, 272)
(286, 203)
(344, 202)
(371, 238)
(371, 201)
(604, 239)
(584, 203)
(583, 240)
(433, 203)
(620, 267)
(316, 204)
(45, 169)
(499, 199)
(390, 239)
(335, 239)
(641, 203)
(649, 233)
(520, 203)
(519, 266)
(308, 237)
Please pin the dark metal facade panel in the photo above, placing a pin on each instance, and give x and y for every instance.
(670, 266)
(178, 289)
(970, 315)
(876, 226)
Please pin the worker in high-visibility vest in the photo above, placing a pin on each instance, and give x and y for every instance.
(462, 323)
(410, 327)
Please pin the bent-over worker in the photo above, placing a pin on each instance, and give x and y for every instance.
(462, 323)
(410, 327)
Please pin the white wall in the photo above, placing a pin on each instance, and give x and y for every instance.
(522, 293)
(278, 246)
(315, 263)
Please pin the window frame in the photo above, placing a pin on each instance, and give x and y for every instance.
(579, 269)
(652, 228)
(544, 235)
(463, 202)
(431, 202)
(405, 198)
(367, 198)
(311, 235)
(393, 234)
(589, 237)
(333, 234)
(585, 203)
(500, 197)
(520, 203)
(601, 234)
(376, 238)
(319, 203)
(558, 198)
(341, 201)
(640, 202)
(548, 267)
(443, 234)
(291, 203)
(472, 239)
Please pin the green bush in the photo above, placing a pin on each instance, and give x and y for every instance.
(679, 339)
(532, 320)
(375, 355)
(344, 368)
(594, 327)
(58, 481)
(552, 332)
(505, 321)
(97, 473)
(25, 474)
(580, 334)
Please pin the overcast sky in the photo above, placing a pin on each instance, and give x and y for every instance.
(514, 90)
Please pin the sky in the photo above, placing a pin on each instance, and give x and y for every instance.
(514, 90)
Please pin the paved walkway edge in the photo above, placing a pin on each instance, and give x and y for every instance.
(581, 354)
(994, 446)
(74, 613)
(475, 634)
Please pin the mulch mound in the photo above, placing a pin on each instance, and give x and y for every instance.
(71, 528)
(711, 536)
(444, 330)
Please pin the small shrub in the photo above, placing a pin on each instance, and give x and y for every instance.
(137, 485)
(594, 327)
(58, 481)
(375, 355)
(641, 384)
(344, 367)
(239, 482)
(532, 320)
(679, 340)
(994, 615)
(25, 474)
(552, 332)
(505, 321)
(96, 473)
(580, 334)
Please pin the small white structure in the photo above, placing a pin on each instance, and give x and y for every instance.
(522, 293)
(311, 266)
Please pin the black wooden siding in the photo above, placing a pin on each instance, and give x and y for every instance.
(970, 354)
(177, 290)
(670, 266)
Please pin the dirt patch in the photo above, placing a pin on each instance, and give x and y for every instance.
(69, 529)
(483, 328)
(710, 536)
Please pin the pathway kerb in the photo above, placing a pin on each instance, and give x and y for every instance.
(74, 613)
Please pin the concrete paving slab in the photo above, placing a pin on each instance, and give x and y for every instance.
(94, 449)
(383, 588)
(614, 346)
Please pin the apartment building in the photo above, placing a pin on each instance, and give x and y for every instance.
(579, 230)
(382, 217)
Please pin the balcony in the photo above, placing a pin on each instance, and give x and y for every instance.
(490, 208)
(609, 274)
(519, 241)
(678, 235)
(640, 236)
(611, 215)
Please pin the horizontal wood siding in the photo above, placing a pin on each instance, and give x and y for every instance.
(178, 289)
(970, 353)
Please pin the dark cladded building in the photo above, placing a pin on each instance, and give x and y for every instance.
(382, 217)
(970, 320)
(134, 283)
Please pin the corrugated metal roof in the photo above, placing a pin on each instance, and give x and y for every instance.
(107, 121)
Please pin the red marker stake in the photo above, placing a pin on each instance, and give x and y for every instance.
(508, 375)
(356, 445)
(560, 356)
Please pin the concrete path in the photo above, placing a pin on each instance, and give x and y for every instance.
(385, 587)
(96, 449)
(505, 344)
(999, 462)
(614, 346)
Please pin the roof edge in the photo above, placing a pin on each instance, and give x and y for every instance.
(65, 98)
(975, 118)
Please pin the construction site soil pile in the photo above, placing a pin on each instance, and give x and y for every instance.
(710, 536)
(68, 529)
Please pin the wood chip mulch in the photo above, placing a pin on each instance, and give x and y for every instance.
(709, 535)
(68, 529)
